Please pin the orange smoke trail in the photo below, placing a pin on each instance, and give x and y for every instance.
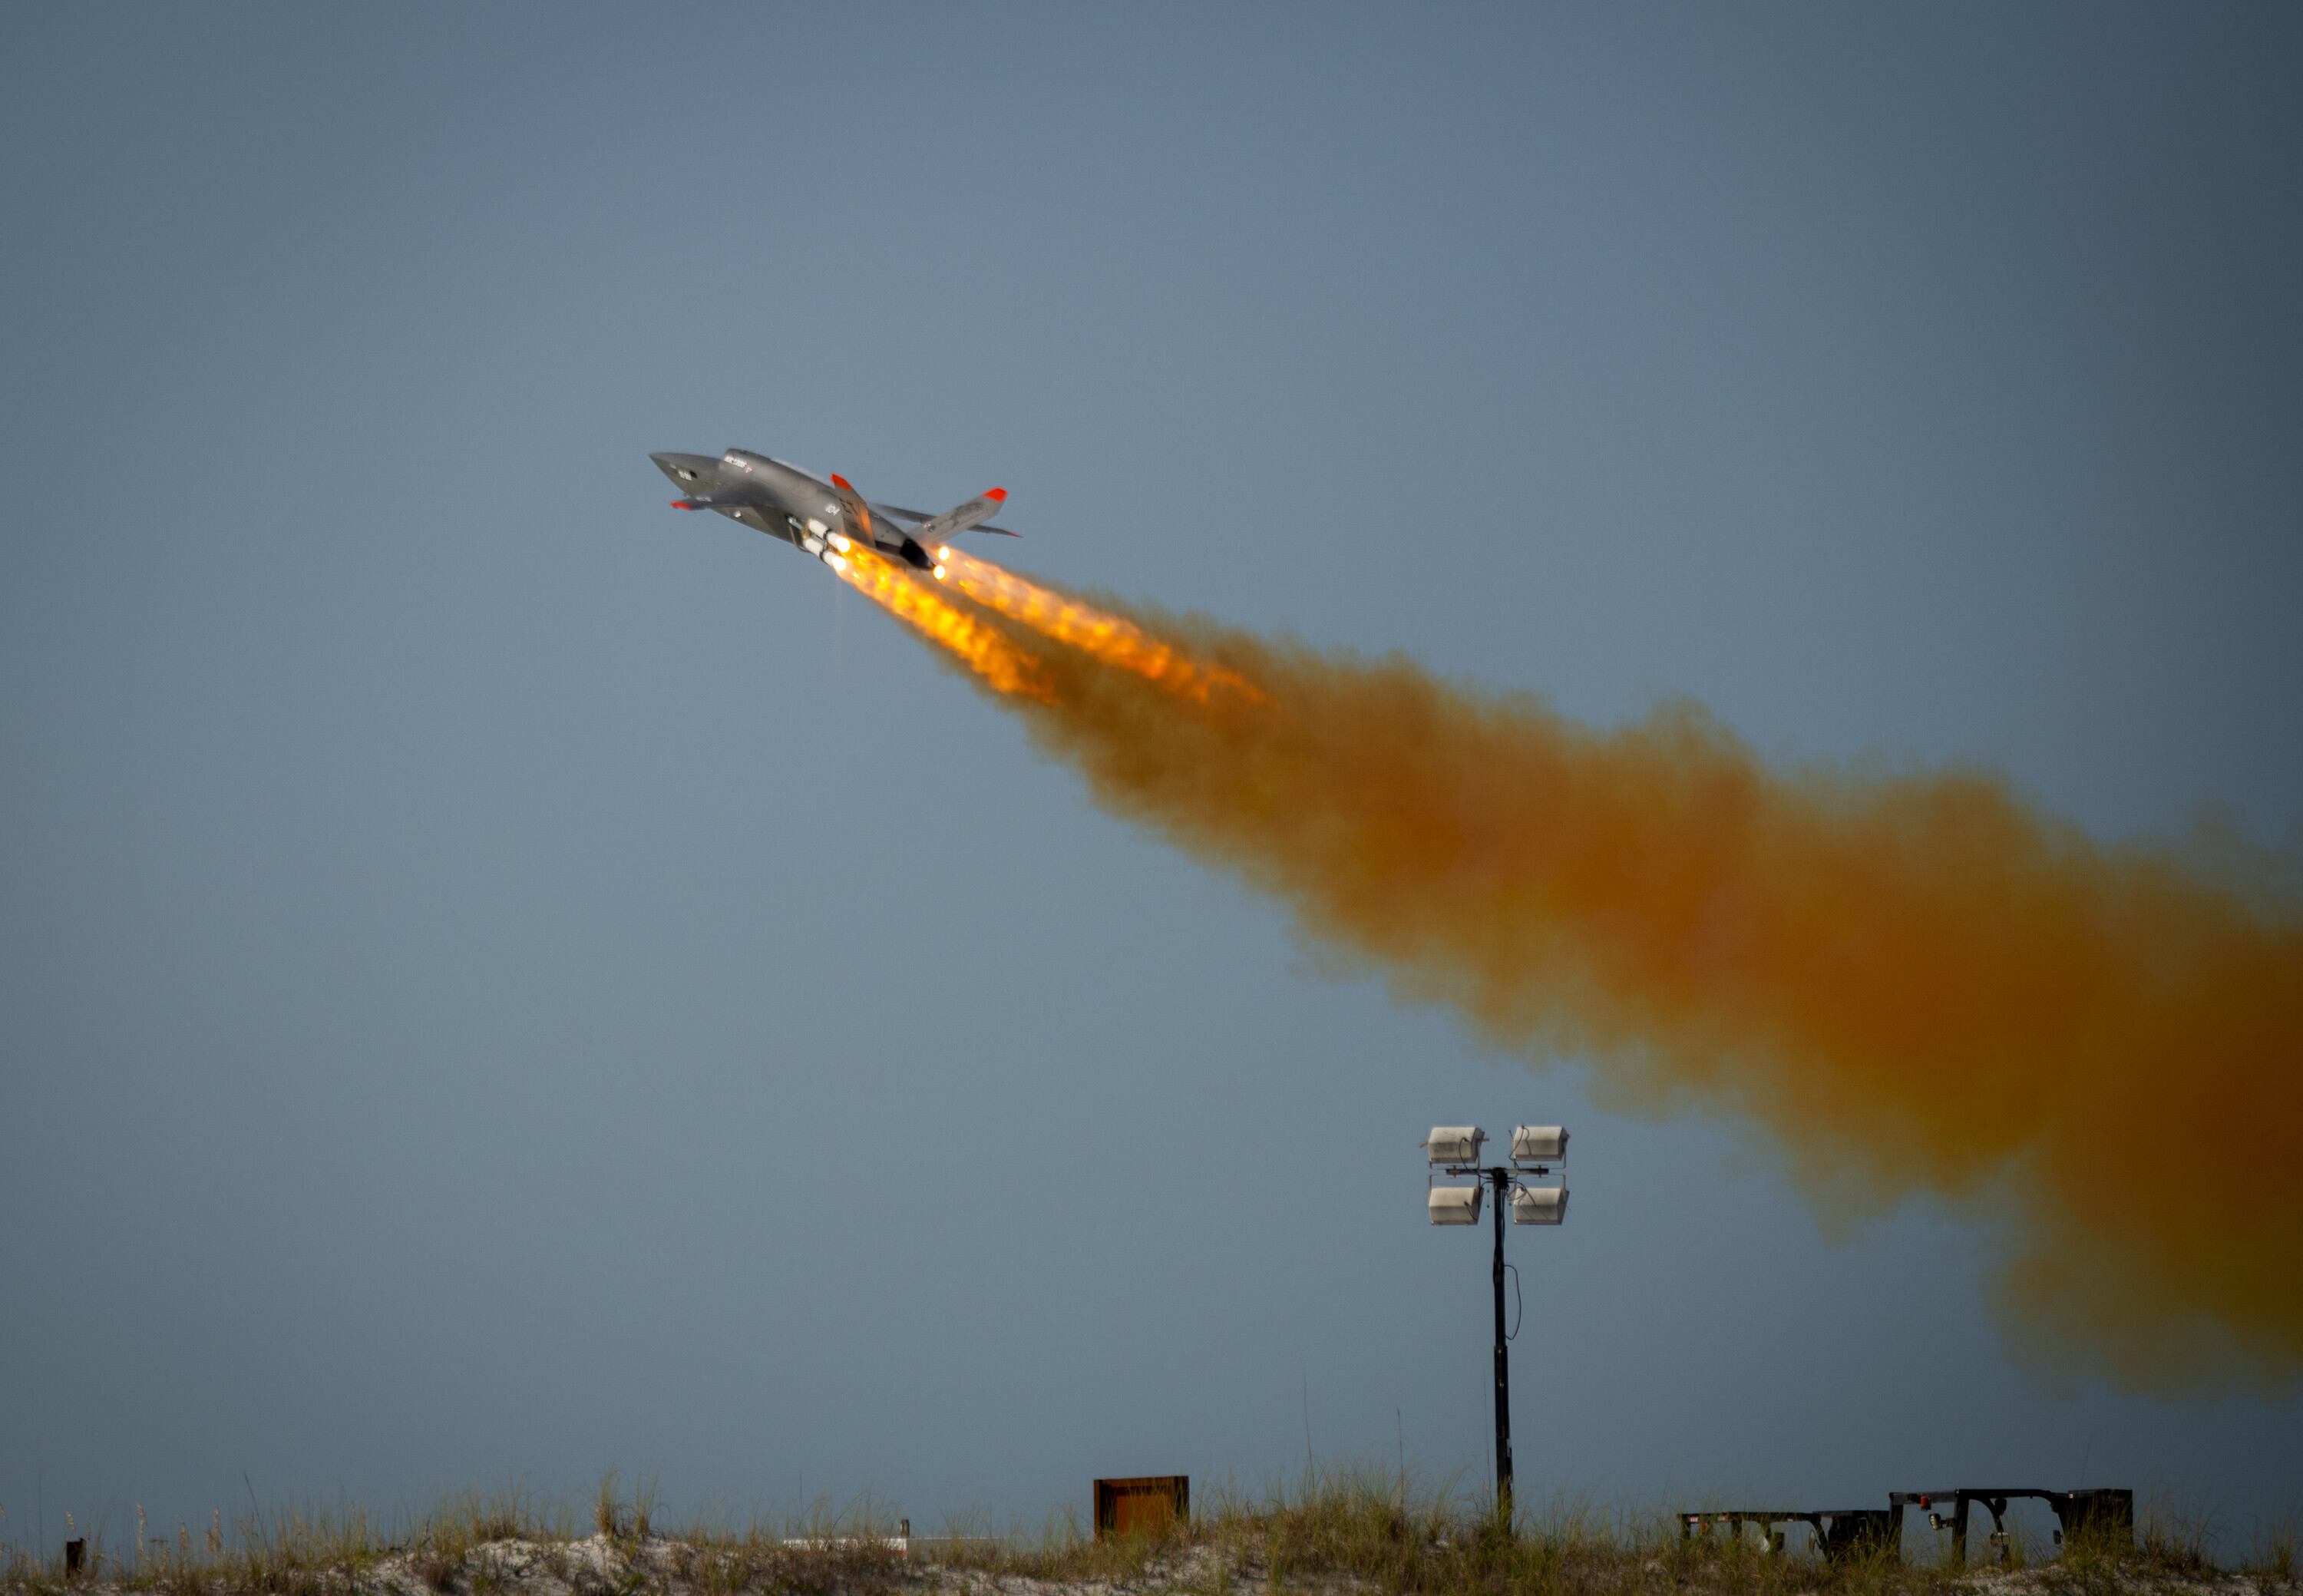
(1915, 986)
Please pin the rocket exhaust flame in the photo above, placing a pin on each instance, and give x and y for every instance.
(1002, 667)
(1915, 987)
(1104, 636)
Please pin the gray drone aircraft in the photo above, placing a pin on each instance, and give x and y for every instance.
(823, 519)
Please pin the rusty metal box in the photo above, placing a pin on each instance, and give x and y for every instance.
(1145, 1505)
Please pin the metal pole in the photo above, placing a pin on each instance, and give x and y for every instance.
(1501, 1178)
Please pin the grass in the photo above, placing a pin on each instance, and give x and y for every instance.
(1371, 1532)
(1336, 1530)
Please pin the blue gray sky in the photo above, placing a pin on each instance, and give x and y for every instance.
(499, 980)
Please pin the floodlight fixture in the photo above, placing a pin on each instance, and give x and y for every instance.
(1456, 1204)
(1535, 1149)
(1538, 1204)
(1539, 1145)
(1453, 1144)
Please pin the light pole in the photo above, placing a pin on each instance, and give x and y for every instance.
(1535, 1150)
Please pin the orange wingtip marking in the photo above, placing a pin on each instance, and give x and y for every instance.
(998, 495)
(839, 481)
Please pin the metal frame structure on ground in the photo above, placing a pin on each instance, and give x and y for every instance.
(1844, 1532)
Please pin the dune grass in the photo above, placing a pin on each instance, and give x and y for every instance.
(1370, 1532)
(1333, 1530)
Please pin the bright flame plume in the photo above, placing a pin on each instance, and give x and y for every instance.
(1004, 668)
(1913, 986)
(1096, 632)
